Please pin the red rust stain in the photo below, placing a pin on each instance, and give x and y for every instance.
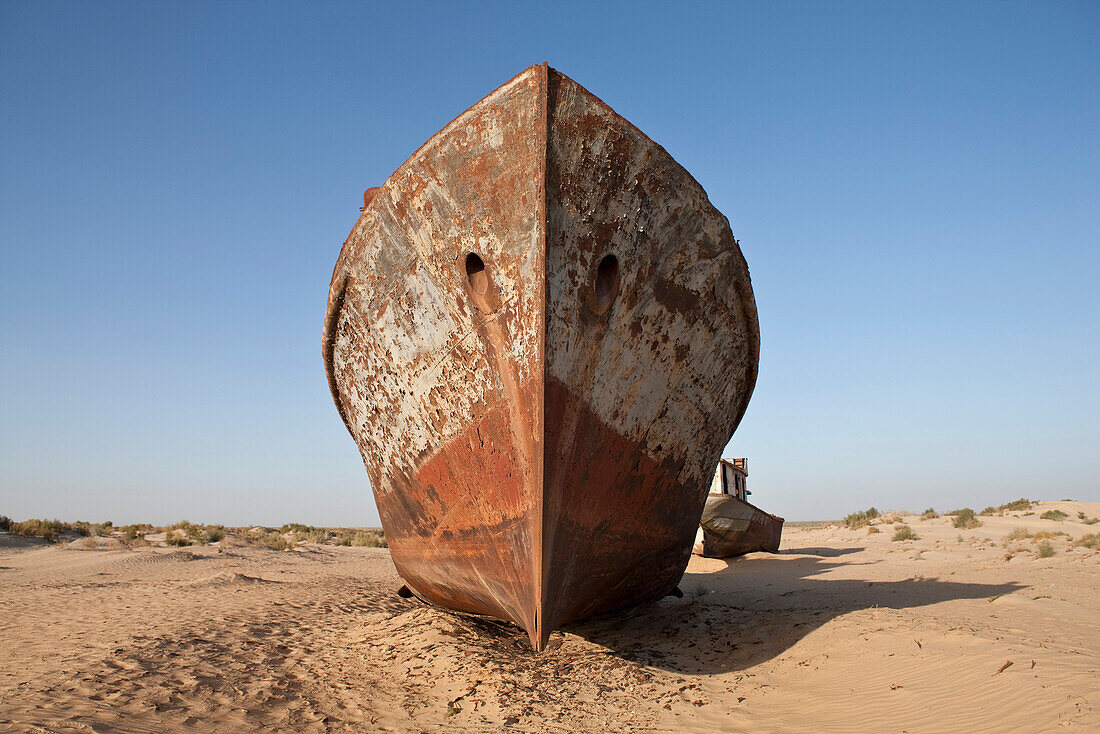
(468, 508)
(618, 525)
(676, 298)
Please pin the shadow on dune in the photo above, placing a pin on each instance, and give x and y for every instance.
(818, 551)
(755, 609)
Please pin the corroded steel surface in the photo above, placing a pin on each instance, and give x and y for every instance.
(541, 335)
(732, 527)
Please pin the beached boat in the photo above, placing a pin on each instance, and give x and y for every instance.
(730, 524)
(541, 334)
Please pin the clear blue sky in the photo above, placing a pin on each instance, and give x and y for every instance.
(916, 188)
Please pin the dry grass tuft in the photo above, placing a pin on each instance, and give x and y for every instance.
(904, 532)
(965, 518)
(1088, 541)
(857, 520)
(1014, 506)
(52, 530)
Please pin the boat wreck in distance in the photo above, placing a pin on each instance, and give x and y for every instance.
(731, 525)
(541, 334)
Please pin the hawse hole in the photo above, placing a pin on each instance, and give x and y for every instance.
(476, 275)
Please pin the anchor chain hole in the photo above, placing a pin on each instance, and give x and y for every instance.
(607, 283)
(476, 275)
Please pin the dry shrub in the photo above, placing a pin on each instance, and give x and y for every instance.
(1056, 515)
(904, 532)
(1048, 534)
(929, 514)
(965, 518)
(1046, 549)
(857, 520)
(1088, 541)
(198, 534)
(369, 539)
(269, 539)
(46, 529)
(872, 529)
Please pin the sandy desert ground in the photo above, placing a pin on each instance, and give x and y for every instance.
(843, 630)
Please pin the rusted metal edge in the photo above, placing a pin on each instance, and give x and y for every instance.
(540, 635)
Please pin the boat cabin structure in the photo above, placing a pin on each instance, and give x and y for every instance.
(731, 477)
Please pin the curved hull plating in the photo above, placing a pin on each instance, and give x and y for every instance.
(733, 527)
(540, 334)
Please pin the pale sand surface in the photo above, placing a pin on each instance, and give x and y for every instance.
(841, 631)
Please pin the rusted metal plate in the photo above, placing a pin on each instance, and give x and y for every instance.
(541, 334)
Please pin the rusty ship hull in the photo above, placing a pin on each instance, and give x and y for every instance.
(730, 526)
(540, 334)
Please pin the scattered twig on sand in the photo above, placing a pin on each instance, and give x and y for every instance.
(1004, 667)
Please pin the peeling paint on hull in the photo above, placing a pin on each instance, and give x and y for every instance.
(540, 334)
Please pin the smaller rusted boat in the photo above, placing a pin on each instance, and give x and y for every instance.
(730, 525)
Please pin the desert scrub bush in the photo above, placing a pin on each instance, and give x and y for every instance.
(81, 528)
(1088, 541)
(200, 534)
(306, 533)
(1013, 506)
(1045, 549)
(85, 529)
(904, 532)
(1048, 535)
(271, 539)
(133, 532)
(45, 529)
(5, 522)
(178, 540)
(296, 527)
(186, 528)
(1080, 516)
(317, 535)
(965, 518)
(369, 539)
(1018, 534)
(929, 514)
(858, 519)
(872, 529)
(1056, 515)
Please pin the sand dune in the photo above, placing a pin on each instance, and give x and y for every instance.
(959, 630)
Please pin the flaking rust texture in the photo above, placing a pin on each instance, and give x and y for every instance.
(540, 334)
